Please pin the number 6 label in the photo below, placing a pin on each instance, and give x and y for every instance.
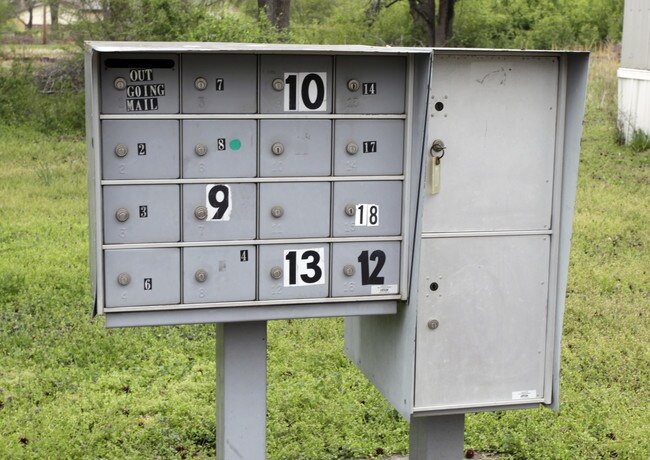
(305, 92)
(304, 267)
(218, 201)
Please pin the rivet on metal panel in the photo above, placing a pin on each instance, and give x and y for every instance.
(433, 286)
(201, 83)
(433, 324)
(122, 214)
(277, 148)
(200, 149)
(201, 275)
(353, 85)
(119, 83)
(123, 279)
(201, 212)
(350, 209)
(349, 270)
(352, 148)
(277, 211)
(276, 273)
(121, 150)
(278, 84)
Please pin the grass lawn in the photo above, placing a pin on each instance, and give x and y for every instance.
(69, 388)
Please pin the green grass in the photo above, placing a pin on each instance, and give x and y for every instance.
(69, 388)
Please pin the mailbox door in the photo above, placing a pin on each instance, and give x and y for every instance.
(139, 83)
(361, 269)
(142, 277)
(141, 214)
(295, 148)
(294, 210)
(219, 212)
(219, 83)
(367, 208)
(368, 147)
(140, 149)
(293, 271)
(381, 84)
(489, 296)
(219, 148)
(218, 274)
(303, 84)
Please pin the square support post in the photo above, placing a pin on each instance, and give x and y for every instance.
(437, 437)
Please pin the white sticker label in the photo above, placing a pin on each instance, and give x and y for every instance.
(218, 200)
(305, 92)
(367, 215)
(304, 267)
(527, 394)
(384, 289)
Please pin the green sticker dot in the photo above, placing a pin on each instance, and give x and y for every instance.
(235, 144)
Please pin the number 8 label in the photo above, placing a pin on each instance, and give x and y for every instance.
(305, 92)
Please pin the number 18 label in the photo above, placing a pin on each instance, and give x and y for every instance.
(367, 215)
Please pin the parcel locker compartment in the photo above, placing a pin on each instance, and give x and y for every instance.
(368, 147)
(368, 268)
(295, 148)
(219, 274)
(140, 149)
(293, 271)
(219, 148)
(370, 84)
(482, 320)
(370, 208)
(139, 83)
(141, 214)
(142, 277)
(219, 212)
(296, 83)
(219, 83)
(294, 210)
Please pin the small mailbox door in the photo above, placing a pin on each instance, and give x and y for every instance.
(141, 214)
(142, 277)
(219, 148)
(218, 274)
(140, 149)
(219, 83)
(219, 212)
(365, 268)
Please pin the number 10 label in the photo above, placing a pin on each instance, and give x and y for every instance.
(305, 92)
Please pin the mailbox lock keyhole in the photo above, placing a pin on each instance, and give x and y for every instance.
(201, 275)
(122, 215)
(352, 148)
(277, 211)
(276, 273)
(123, 279)
(119, 84)
(201, 83)
(277, 148)
(350, 209)
(121, 150)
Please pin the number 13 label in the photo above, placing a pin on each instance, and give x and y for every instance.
(304, 267)
(305, 92)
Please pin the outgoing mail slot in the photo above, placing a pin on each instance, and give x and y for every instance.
(294, 210)
(141, 214)
(360, 269)
(219, 148)
(219, 83)
(140, 149)
(372, 208)
(217, 211)
(368, 147)
(296, 84)
(294, 271)
(218, 274)
(295, 148)
(137, 83)
(142, 277)
(370, 84)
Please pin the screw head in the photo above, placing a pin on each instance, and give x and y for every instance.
(122, 215)
(277, 211)
(119, 83)
(200, 149)
(123, 279)
(276, 273)
(201, 275)
(277, 148)
(353, 85)
(121, 150)
(201, 84)
(349, 270)
(350, 209)
(278, 84)
(201, 212)
(433, 324)
(352, 148)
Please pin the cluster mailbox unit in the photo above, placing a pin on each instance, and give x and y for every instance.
(425, 194)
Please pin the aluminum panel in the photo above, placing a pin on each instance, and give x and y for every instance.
(360, 269)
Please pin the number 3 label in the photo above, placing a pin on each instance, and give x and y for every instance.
(218, 201)
(305, 92)
(304, 267)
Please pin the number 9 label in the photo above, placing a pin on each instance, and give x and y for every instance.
(218, 200)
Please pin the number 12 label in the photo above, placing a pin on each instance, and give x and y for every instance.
(304, 267)
(305, 92)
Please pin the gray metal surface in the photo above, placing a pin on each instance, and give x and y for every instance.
(152, 149)
(635, 53)
(231, 148)
(437, 438)
(375, 268)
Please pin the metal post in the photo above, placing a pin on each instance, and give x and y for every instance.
(241, 391)
(437, 438)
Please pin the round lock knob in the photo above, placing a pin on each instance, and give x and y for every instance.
(123, 279)
(122, 215)
(433, 324)
(352, 148)
(201, 275)
(349, 270)
(201, 83)
(350, 209)
(353, 85)
(121, 150)
(276, 273)
(277, 211)
(119, 84)
(277, 148)
(278, 84)
(201, 212)
(200, 149)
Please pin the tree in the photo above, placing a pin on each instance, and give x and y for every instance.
(437, 29)
(277, 11)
